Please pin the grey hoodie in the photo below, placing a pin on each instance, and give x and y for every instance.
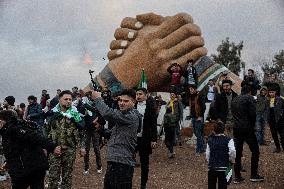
(123, 140)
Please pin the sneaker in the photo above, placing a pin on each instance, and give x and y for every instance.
(238, 180)
(276, 150)
(170, 155)
(86, 172)
(256, 178)
(100, 171)
(3, 178)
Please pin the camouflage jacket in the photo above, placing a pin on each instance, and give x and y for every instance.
(65, 132)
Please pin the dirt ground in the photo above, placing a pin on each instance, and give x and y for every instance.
(185, 171)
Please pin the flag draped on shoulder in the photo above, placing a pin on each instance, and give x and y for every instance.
(143, 80)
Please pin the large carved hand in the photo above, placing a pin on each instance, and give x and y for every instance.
(154, 42)
(151, 42)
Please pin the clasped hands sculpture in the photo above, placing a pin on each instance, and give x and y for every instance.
(154, 42)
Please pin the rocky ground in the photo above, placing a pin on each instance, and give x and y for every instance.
(185, 171)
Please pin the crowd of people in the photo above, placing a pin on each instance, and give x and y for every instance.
(45, 135)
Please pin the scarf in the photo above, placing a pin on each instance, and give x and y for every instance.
(70, 113)
(171, 104)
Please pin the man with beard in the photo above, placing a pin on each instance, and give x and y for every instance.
(147, 132)
(65, 129)
(222, 106)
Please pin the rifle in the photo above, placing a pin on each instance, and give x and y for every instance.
(95, 86)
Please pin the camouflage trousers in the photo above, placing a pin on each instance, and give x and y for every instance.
(61, 166)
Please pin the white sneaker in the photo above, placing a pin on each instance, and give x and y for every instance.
(100, 171)
(86, 172)
(3, 178)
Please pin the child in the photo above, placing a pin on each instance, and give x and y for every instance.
(170, 124)
(220, 152)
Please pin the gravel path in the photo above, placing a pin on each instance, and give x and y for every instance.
(185, 171)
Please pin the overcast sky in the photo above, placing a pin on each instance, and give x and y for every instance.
(43, 43)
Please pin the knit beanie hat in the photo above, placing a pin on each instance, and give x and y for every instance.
(10, 100)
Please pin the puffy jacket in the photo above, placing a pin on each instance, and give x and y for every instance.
(23, 149)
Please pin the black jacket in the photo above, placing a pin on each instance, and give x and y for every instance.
(149, 133)
(35, 112)
(194, 73)
(244, 112)
(278, 110)
(23, 149)
(221, 106)
(253, 82)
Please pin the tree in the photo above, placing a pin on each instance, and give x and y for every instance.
(229, 55)
(276, 66)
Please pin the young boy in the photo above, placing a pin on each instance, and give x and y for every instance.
(170, 124)
(220, 152)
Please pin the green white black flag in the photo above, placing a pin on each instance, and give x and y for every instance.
(143, 80)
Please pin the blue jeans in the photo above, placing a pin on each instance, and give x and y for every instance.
(198, 129)
(259, 125)
(177, 134)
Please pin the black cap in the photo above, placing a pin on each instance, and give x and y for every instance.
(227, 81)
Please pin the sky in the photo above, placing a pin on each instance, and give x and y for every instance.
(44, 44)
